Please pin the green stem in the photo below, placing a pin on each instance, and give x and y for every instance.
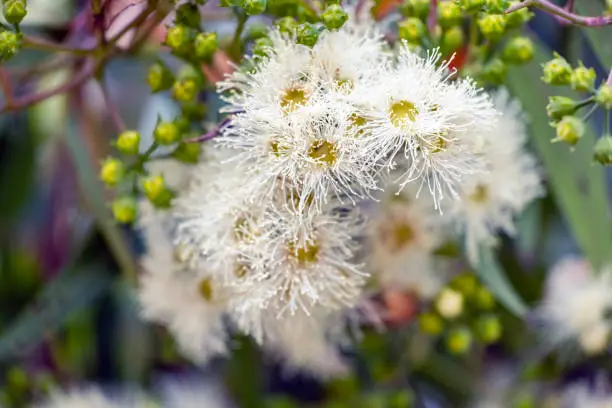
(473, 39)
(235, 47)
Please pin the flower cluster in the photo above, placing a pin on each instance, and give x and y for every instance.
(314, 190)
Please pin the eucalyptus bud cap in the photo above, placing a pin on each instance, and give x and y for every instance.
(185, 89)
(518, 50)
(287, 25)
(604, 96)
(180, 39)
(489, 328)
(334, 17)
(187, 152)
(497, 6)
(449, 303)
(449, 14)
(492, 26)
(557, 71)
(412, 30)
(569, 130)
(560, 106)
(159, 77)
(166, 133)
(125, 209)
(128, 142)
(10, 44)
(472, 6)
(112, 171)
(156, 190)
(459, 340)
(262, 46)
(205, 45)
(308, 34)
(14, 11)
(602, 152)
(253, 7)
(583, 79)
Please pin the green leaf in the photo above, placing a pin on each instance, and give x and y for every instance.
(599, 37)
(489, 270)
(577, 184)
(59, 300)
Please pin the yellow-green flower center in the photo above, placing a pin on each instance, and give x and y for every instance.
(402, 112)
(324, 152)
(293, 98)
(206, 290)
(304, 254)
(480, 194)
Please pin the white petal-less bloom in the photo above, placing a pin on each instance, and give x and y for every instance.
(490, 200)
(91, 397)
(403, 232)
(191, 305)
(419, 113)
(576, 306)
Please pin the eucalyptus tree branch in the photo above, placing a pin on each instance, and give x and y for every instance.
(565, 14)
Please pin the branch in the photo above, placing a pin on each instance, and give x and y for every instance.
(432, 18)
(564, 13)
(45, 45)
(5, 83)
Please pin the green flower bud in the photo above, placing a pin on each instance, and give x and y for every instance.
(128, 142)
(492, 26)
(159, 77)
(560, 106)
(10, 44)
(252, 7)
(557, 71)
(166, 133)
(452, 39)
(495, 71)
(497, 6)
(257, 30)
(604, 96)
(205, 45)
(194, 111)
(417, 8)
(185, 90)
(519, 17)
(412, 30)
(569, 130)
(458, 340)
(583, 79)
(308, 34)
(483, 298)
(488, 328)
(262, 46)
(17, 379)
(401, 399)
(125, 209)
(287, 25)
(334, 17)
(188, 14)
(180, 39)
(472, 6)
(430, 323)
(466, 283)
(112, 171)
(449, 303)
(518, 50)
(449, 14)
(187, 152)
(156, 191)
(14, 11)
(602, 152)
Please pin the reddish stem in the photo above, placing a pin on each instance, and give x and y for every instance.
(432, 18)
(5, 83)
(563, 13)
(211, 134)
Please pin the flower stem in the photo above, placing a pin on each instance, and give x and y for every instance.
(44, 45)
(564, 14)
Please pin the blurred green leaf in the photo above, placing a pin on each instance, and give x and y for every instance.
(70, 292)
(599, 37)
(577, 184)
(493, 276)
(243, 375)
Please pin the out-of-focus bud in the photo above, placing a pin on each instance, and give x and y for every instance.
(569, 130)
(602, 153)
(334, 17)
(262, 46)
(159, 77)
(430, 323)
(458, 340)
(519, 17)
(472, 6)
(488, 328)
(449, 14)
(287, 25)
(557, 71)
(495, 71)
(497, 6)
(10, 44)
(252, 7)
(188, 14)
(560, 106)
(112, 171)
(156, 191)
(166, 133)
(412, 30)
(519, 50)
(449, 303)
(452, 39)
(185, 89)
(180, 39)
(492, 26)
(187, 152)
(604, 96)
(308, 34)
(128, 142)
(125, 209)
(14, 11)
(583, 79)
(205, 45)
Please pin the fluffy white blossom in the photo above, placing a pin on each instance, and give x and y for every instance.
(576, 306)
(491, 199)
(190, 304)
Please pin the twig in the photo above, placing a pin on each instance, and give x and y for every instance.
(432, 18)
(211, 134)
(570, 6)
(41, 44)
(111, 107)
(32, 99)
(564, 14)
(5, 83)
(147, 28)
(141, 18)
(123, 10)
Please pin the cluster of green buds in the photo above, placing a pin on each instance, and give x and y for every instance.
(463, 312)
(14, 12)
(347, 391)
(562, 110)
(187, 39)
(20, 385)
